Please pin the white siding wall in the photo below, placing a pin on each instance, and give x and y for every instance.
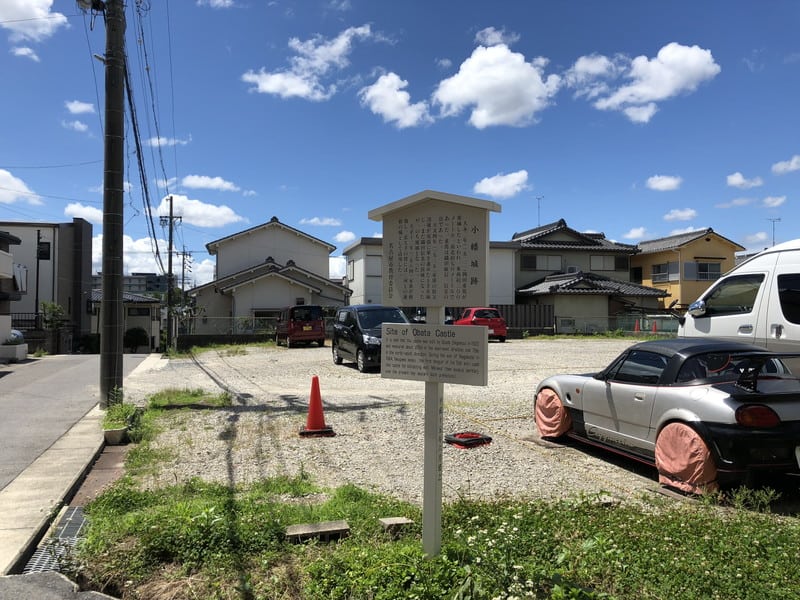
(25, 254)
(253, 248)
(501, 276)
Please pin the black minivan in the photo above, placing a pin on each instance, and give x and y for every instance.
(357, 333)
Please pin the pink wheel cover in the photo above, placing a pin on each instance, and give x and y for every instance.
(552, 419)
(684, 461)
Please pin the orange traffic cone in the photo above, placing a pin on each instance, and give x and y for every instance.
(315, 423)
(636, 328)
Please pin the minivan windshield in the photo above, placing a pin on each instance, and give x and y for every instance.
(371, 318)
(306, 313)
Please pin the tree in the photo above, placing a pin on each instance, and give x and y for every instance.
(135, 337)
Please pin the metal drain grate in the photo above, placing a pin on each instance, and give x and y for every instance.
(49, 554)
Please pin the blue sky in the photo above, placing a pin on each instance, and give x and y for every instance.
(638, 119)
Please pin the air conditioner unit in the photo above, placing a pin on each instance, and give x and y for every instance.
(573, 269)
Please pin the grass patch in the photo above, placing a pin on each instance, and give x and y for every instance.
(185, 398)
(209, 540)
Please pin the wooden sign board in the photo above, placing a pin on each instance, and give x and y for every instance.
(436, 253)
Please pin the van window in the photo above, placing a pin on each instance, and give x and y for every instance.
(306, 313)
(789, 294)
(734, 295)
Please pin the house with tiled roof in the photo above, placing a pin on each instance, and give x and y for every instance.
(582, 279)
(260, 271)
(684, 265)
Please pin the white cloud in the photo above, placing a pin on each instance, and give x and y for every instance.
(76, 107)
(337, 267)
(664, 183)
(774, 201)
(492, 37)
(444, 63)
(314, 59)
(787, 166)
(78, 126)
(756, 239)
(215, 3)
(680, 214)
(166, 183)
(204, 182)
(738, 180)
(387, 98)
(203, 271)
(675, 70)
(637, 233)
(165, 142)
(344, 237)
(503, 185)
(734, 203)
(30, 19)
(499, 87)
(90, 213)
(684, 230)
(13, 189)
(587, 76)
(25, 52)
(138, 256)
(200, 214)
(321, 222)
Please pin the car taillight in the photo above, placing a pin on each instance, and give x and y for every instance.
(756, 415)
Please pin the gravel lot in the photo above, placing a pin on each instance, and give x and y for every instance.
(379, 424)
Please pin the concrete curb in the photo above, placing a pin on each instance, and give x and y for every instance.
(29, 504)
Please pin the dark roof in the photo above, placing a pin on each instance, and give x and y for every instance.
(581, 283)
(680, 239)
(269, 267)
(273, 222)
(128, 297)
(537, 239)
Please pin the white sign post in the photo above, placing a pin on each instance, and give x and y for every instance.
(435, 254)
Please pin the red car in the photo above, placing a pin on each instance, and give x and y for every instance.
(488, 317)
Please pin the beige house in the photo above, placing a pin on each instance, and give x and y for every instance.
(260, 271)
(684, 265)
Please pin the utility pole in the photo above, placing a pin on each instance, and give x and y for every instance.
(539, 210)
(113, 189)
(169, 221)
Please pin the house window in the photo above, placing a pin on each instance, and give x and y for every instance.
(697, 271)
(539, 262)
(350, 270)
(139, 311)
(602, 263)
(666, 272)
(636, 275)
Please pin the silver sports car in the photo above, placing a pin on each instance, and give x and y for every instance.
(705, 412)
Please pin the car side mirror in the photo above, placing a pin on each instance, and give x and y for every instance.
(697, 308)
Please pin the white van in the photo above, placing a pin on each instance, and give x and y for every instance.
(757, 301)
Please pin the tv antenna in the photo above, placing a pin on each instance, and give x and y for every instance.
(773, 228)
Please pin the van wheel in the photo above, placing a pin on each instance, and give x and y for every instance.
(321, 342)
(501, 339)
(337, 360)
(361, 361)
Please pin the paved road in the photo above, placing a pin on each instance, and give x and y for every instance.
(41, 399)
